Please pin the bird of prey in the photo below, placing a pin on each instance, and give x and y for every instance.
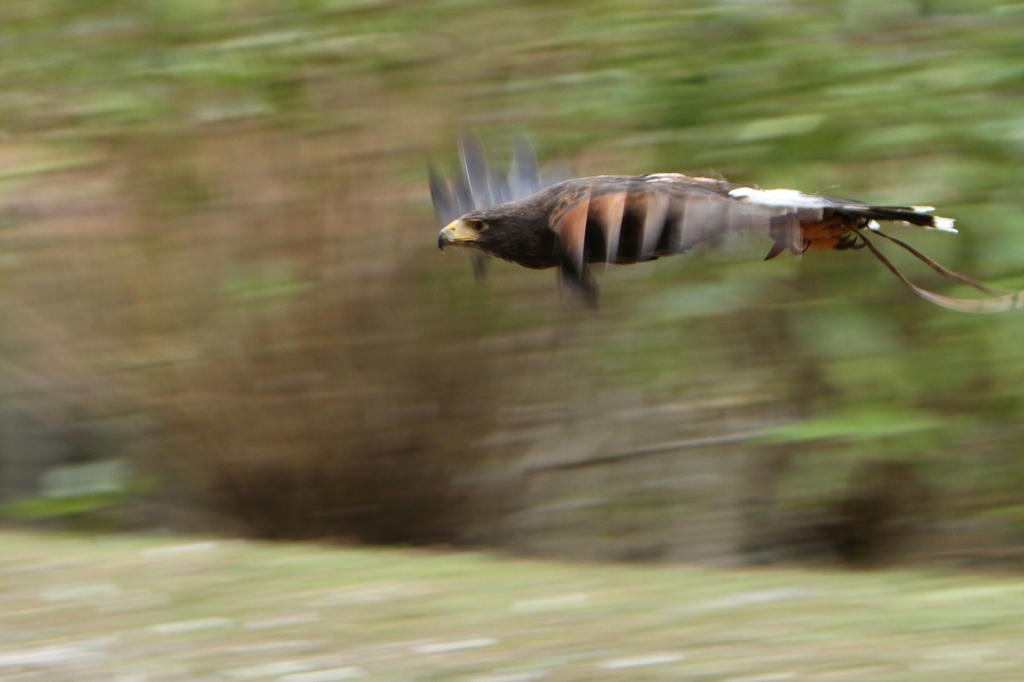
(568, 224)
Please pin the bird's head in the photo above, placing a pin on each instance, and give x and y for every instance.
(469, 230)
(516, 231)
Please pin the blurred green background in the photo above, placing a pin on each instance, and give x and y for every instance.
(221, 306)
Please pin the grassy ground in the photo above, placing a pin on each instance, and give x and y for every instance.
(135, 610)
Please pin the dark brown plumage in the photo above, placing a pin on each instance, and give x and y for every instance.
(631, 219)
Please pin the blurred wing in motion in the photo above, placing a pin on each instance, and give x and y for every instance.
(475, 171)
(524, 175)
(446, 206)
(632, 219)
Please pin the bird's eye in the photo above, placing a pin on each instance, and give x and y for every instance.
(478, 225)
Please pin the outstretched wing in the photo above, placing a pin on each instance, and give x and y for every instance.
(616, 219)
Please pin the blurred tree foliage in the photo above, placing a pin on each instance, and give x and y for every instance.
(197, 195)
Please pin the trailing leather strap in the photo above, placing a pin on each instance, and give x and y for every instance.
(955, 276)
(994, 304)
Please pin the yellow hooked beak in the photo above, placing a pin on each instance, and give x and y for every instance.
(456, 232)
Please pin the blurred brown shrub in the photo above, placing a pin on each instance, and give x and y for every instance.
(883, 510)
(257, 295)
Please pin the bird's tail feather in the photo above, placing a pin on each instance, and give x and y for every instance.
(915, 215)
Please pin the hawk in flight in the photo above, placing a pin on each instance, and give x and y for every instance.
(569, 223)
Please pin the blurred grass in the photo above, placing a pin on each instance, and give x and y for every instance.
(214, 226)
(166, 610)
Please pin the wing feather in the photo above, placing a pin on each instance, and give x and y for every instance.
(474, 164)
(785, 230)
(525, 175)
(654, 223)
(745, 219)
(460, 187)
(445, 206)
(501, 188)
(702, 209)
(606, 214)
(571, 228)
(706, 216)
